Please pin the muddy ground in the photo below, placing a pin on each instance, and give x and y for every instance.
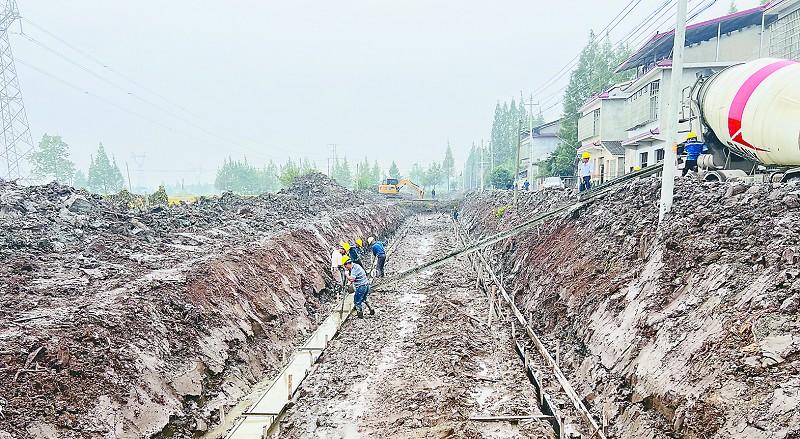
(691, 333)
(120, 323)
(423, 365)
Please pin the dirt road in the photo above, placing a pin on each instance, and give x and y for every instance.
(423, 365)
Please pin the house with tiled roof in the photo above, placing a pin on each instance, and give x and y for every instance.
(710, 45)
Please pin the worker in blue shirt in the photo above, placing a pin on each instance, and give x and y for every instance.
(693, 149)
(354, 252)
(379, 250)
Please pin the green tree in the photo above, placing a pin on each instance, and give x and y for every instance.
(363, 175)
(732, 9)
(448, 165)
(417, 174)
(501, 178)
(104, 174)
(433, 175)
(79, 180)
(159, 197)
(376, 172)
(342, 173)
(269, 177)
(289, 171)
(594, 73)
(394, 171)
(50, 160)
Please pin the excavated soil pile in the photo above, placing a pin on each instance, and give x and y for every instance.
(691, 333)
(121, 323)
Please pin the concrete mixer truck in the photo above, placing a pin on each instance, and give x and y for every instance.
(750, 117)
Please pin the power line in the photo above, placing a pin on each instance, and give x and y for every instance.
(106, 66)
(134, 95)
(114, 104)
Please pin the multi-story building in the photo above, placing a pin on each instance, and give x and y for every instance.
(536, 148)
(783, 30)
(601, 129)
(770, 29)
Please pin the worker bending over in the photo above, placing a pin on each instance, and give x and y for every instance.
(379, 251)
(360, 282)
(585, 170)
(693, 149)
(354, 252)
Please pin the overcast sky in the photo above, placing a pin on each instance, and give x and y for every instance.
(390, 80)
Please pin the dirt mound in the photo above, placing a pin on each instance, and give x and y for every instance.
(128, 323)
(691, 332)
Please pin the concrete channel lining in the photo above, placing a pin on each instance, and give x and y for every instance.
(258, 419)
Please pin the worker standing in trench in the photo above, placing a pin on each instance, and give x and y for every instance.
(379, 251)
(361, 283)
(337, 269)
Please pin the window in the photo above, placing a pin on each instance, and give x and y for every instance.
(784, 37)
(643, 105)
(659, 155)
(643, 159)
(654, 86)
(596, 122)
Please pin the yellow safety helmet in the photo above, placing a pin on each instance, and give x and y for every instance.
(345, 246)
(691, 135)
(359, 242)
(586, 155)
(345, 259)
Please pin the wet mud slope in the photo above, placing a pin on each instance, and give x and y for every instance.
(118, 323)
(423, 365)
(691, 334)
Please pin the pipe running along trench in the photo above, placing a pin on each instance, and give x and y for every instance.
(262, 415)
(258, 416)
(550, 362)
(584, 199)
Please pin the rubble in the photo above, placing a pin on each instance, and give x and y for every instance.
(699, 319)
(120, 322)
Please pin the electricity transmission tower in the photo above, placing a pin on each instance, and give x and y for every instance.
(16, 134)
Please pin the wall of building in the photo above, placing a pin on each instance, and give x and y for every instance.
(738, 46)
(613, 120)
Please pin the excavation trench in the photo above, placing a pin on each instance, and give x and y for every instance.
(424, 365)
(154, 324)
(689, 331)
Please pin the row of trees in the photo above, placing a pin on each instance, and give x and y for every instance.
(50, 162)
(494, 165)
(435, 174)
(364, 176)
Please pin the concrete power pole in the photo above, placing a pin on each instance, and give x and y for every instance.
(16, 135)
(672, 104)
(516, 164)
(530, 105)
(482, 158)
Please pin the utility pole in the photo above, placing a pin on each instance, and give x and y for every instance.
(128, 171)
(530, 104)
(516, 164)
(332, 159)
(16, 133)
(672, 103)
(482, 164)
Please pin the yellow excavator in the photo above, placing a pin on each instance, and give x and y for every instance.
(391, 187)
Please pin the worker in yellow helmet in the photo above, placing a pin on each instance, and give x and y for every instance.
(693, 148)
(585, 170)
(355, 251)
